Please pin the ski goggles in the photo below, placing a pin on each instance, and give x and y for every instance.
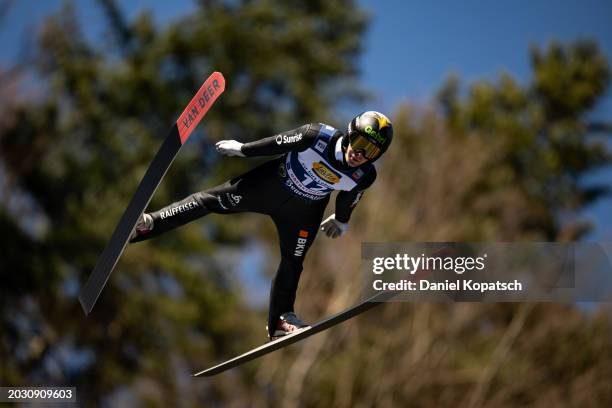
(361, 144)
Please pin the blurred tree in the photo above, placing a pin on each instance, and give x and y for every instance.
(75, 151)
(543, 135)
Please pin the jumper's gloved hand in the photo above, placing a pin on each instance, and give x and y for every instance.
(229, 148)
(332, 227)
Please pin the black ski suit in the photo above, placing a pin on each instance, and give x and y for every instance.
(292, 189)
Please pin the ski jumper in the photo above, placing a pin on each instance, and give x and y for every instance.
(292, 189)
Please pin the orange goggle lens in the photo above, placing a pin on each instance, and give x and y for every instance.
(369, 149)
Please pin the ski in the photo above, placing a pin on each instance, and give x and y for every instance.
(208, 93)
(299, 335)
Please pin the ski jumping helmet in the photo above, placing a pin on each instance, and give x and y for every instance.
(370, 132)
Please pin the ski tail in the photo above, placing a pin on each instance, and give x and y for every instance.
(208, 93)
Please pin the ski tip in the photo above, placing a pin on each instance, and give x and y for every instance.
(212, 371)
(220, 78)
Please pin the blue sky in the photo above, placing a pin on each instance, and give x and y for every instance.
(411, 47)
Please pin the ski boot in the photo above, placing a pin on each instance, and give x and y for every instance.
(288, 323)
(144, 225)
